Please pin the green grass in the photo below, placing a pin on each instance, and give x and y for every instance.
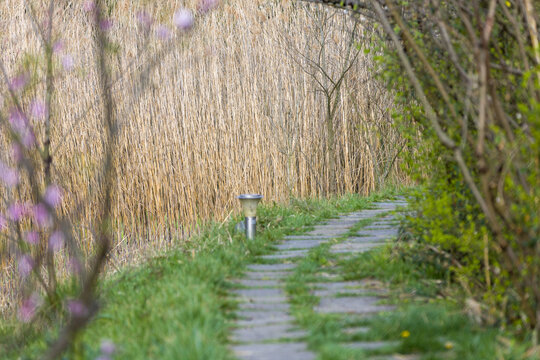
(425, 323)
(175, 306)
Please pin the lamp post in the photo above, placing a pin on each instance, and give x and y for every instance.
(249, 204)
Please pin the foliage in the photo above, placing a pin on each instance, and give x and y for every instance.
(37, 236)
(472, 85)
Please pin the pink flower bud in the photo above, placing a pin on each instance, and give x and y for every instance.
(89, 6)
(163, 32)
(3, 223)
(144, 19)
(16, 152)
(53, 196)
(32, 237)
(105, 25)
(42, 216)
(67, 62)
(58, 46)
(183, 19)
(107, 347)
(56, 241)
(26, 265)
(207, 5)
(19, 82)
(39, 110)
(16, 212)
(76, 308)
(9, 176)
(28, 308)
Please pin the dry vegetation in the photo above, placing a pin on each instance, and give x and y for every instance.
(229, 110)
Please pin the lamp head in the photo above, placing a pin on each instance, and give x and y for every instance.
(249, 203)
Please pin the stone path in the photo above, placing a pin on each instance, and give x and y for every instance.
(266, 330)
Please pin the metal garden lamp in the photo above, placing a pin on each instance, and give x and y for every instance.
(249, 205)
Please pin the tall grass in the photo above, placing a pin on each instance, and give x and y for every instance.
(228, 111)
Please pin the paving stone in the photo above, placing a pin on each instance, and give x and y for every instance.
(271, 267)
(267, 295)
(353, 248)
(368, 239)
(285, 255)
(290, 351)
(349, 304)
(266, 275)
(392, 232)
(339, 287)
(329, 232)
(252, 318)
(300, 244)
(308, 237)
(258, 283)
(266, 333)
(264, 306)
(370, 345)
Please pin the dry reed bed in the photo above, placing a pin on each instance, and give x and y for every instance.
(227, 111)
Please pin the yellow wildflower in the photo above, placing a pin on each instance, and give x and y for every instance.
(448, 345)
(405, 334)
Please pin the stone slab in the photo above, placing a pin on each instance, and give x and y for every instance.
(264, 306)
(266, 275)
(391, 232)
(299, 244)
(258, 283)
(252, 318)
(355, 305)
(267, 295)
(271, 267)
(355, 248)
(339, 287)
(308, 237)
(286, 255)
(266, 333)
(285, 351)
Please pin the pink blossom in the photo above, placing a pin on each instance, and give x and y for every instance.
(107, 347)
(17, 120)
(207, 5)
(26, 265)
(16, 211)
(75, 266)
(19, 82)
(42, 216)
(56, 241)
(144, 19)
(16, 152)
(32, 237)
(183, 19)
(3, 222)
(53, 196)
(89, 6)
(67, 62)
(105, 24)
(58, 46)
(28, 308)
(39, 110)
(22, 127)
(163, 32)
(76, 308)
(8, 175)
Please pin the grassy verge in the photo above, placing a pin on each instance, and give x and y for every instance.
(425, 325)
(175, 306)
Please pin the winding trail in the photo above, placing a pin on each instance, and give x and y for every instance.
(267, 331)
